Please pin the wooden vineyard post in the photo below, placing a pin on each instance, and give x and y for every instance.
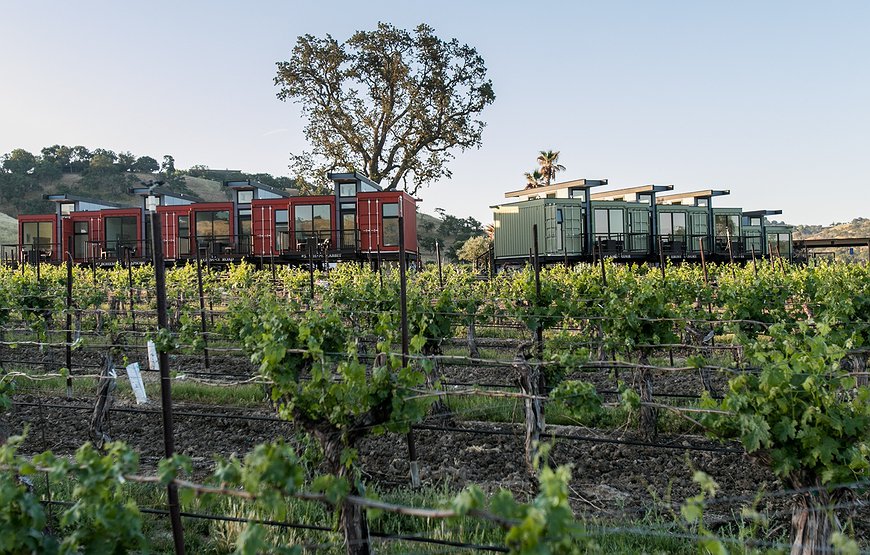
(202, 322)
(69, 308)
(130, 286)
(601, 259)
(165, 381)
(661, 258)
(403, 306)
(754, 264)
(438, 256)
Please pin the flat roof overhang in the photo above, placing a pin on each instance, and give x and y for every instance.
(351, 177)
(159, 191)
(622, 193)
(577, 183)
(762, 213)
(248, 185)
(64, 198)
(705, 193)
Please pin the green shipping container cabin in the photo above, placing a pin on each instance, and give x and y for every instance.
(728, 232)
(756, 229)
(779, 241)
(625, 221)
(698, 206)
(562, 213)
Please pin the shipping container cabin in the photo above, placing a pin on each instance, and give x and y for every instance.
(625, 221)
(37, 240)
(246, 194)
(81, 224)
(562, 212)
(756, 229)
(358, 221)
(699, 218)
(207, 226)
(779, 241)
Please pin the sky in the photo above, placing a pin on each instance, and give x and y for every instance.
(770, 100)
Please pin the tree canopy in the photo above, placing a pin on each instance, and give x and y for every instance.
(390, 103)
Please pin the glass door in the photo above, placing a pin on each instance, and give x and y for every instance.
(348, 228)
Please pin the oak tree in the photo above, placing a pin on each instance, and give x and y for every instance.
(389, 103)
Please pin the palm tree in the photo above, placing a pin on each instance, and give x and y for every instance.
(533, 179)
(549, 162)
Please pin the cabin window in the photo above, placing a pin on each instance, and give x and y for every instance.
(282, 230)
(609, 223)
(245, 197)
(727, 224)
(312, 220)
(66, 208)
(702, 202)
(755, 221)
(347, 189)
(121, 232)
(672, 224)
(213, 225)
(37, 235)
(390, 218)
(183, 235)
(80, 239)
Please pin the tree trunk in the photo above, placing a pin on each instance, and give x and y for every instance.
(648, 414)
(531, 383)
(473, 351)
(813, 522)
(352, 519)
(105, 393)
(439, 407)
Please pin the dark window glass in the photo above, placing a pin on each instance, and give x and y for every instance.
(390, 217)
(121, 233)
(282, 229)
(347, 189)
(183, 235)
(80, 240)
(213, 225)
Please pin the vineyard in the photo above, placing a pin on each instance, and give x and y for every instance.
(612, 408)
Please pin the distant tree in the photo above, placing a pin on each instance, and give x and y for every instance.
(102, 160)
(473, 248)
(168, 165)
(389, 103)
(80, 159)
(60, 155)
(533, 179)
(47, 170)
(19, 161)
(146, 164)
(549, 162)
(126, 161)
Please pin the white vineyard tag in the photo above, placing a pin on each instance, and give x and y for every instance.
(136, 383)
(153, 361)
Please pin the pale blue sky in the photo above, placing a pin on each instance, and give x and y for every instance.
(768, 99)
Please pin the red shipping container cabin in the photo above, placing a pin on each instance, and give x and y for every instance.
(37, 239)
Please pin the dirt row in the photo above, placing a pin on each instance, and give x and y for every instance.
(610, 480)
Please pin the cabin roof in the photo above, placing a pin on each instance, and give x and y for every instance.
(576, 183)
(351, 177)
(621, 193)
(761, 213)
(705, 193)
(63, 198)
(249, 185)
